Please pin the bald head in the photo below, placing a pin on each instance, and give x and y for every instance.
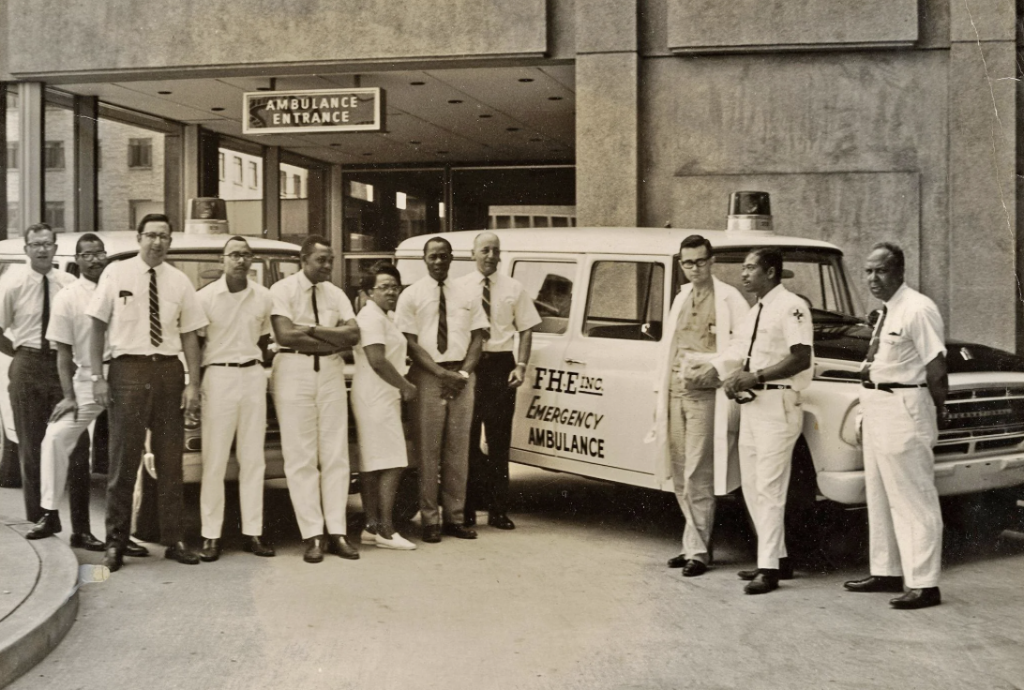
(487, 252)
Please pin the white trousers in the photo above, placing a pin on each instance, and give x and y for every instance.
(691, 427)
(312, 409)
(60, 440)
(234, 403)
(769, 428)
(904, 518)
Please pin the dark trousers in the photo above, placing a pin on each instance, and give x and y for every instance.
(145, 395)
(35, 390)
(495, 406)
(78, 485)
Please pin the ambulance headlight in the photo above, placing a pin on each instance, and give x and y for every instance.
(850, 431)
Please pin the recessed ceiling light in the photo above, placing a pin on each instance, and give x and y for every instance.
(415, 143)
(536, 139)
(455, 101)
(554, 98)
(335, 144)
(217, 110)
(511, 129)
(442, 153)
(417, 83)
(367, 153)
(164, 93)
(485, 116)
(526, 80)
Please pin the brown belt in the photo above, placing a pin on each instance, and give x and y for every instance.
(52, 352)
(146, 358)
(289, 351)
(250, 363)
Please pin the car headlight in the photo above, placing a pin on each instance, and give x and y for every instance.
(850, 430)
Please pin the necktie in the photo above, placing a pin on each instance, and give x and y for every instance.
(156, 330)
(753, 336)
(487, 297)
(44, 344)
(442, 320)
(876, 339)
(316, 320)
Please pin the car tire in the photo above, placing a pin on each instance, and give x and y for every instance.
(10, 465)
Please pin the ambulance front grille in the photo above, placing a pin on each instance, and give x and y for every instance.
(983, 420)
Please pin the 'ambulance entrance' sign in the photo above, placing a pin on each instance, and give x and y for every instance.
(330, 110)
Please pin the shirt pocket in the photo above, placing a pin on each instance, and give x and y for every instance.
(170, 309)
(127, 309)
(329, 317)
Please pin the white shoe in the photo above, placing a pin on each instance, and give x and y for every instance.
(397, 542)
(368, 537)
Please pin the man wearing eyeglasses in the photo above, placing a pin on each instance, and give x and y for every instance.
(150, 312)
(26, 296)
(704, 315)
(234, 393)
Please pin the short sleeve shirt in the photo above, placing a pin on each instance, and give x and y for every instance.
(417, 314)
(785, 321)
(70, 325)
(293, 298)
(377, 328)
(512, 310)
(121, 300)
(237, 322)
(911, 337)
(21, 303)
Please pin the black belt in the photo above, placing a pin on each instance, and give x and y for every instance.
(250, 363)
(52, 352)
(289, 351)
(771, 387)
(503, 353)
(450, 366)
(888, 387)
(146, 358)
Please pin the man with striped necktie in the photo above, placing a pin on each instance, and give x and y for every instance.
(445, 328)
(510, 311)
(149, 313)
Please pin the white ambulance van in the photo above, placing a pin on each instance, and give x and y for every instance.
(590, 404)
(199, 256)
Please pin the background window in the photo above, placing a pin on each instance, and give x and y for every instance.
(53, 155)
(53, 215)
(99, 215)
(626, 300)
(12, 216)
(550, 285)
(253, 175)
(140, 153)
(237, 168)
(12, 155)
(220, 165)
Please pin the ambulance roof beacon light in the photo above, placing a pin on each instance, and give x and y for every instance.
(207, 215)
(750, 212)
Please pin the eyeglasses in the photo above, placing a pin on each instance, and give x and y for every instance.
(699, 263)
(93, 255)
(390, 287)
(40, 245)
(241, 256)
(156, 236)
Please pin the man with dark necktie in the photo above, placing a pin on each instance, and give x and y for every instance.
(445, 328)
(26, 293)
(150, 313)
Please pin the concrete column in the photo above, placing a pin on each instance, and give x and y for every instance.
(3, 163)
(200, 173)
(32, 138)
(984, 298)
(607, 99)
(272, 192)
(336, 221)
(86, 144)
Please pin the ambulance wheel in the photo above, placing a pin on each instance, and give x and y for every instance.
(10, 465)
(975, 521)
(407, 498)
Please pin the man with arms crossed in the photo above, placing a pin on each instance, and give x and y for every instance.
(771, 361)
(234, 397)
(150, 313)
(904, 385)
(313, 320)
(509, 310)
(445, 328)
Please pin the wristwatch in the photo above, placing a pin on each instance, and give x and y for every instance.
(521, 364)
(96, 377)
(463, 374)
(760, 377)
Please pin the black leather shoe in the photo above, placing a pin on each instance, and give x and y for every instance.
(917, 599)
(113, 558)
(766, 580)
(47, 526)
(256, 546)
(85, 540)
(432, 534)
(210, 551)
(500, 521)
(458, 531)
(135, 550)
(179, 552)
(785, 571)
(469, 518)
(677, 561)
(693, 568)
(875, 583)
(314, 550)
(341, 547)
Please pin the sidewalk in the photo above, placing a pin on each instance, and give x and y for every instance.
(38, 599)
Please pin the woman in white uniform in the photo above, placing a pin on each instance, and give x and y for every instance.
(378, 389)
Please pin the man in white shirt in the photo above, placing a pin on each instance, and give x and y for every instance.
(313, 322)
(445, 328)
(509, 311)
(771, 362)
(26, 297)
(148, 312)
(234, 397)
(903, 408)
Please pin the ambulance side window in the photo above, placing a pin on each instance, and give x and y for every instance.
(625, 300)
(549, 285)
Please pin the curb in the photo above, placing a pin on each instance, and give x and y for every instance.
(38, 625)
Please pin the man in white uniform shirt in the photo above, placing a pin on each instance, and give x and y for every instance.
(26, 297)
(500, 372)
(902, 404)
(445, 328)
(313, 321)
(771, 362)
(234, 397)
(149, 312)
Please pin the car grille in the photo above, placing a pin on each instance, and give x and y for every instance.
(983, 420)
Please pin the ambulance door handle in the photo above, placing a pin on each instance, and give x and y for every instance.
(574, 361)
